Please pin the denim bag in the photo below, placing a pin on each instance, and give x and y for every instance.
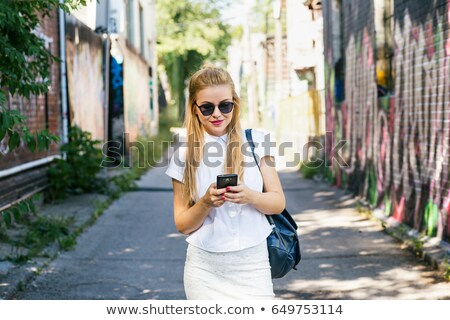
(283, 243)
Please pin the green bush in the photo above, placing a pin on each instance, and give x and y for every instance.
(77, 172)
(310, 169)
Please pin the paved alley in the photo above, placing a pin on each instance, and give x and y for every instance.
(134, 252)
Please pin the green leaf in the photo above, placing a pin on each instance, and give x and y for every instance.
(55, 138)
(16, 213)
(42, 141)
(31, 143)
(7, 218)
(6, 119)
(23, 207)
(31, 206)
(14, 140)
(2, 97)
(2, 132)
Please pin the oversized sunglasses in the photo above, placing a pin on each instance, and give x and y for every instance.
(207, 109)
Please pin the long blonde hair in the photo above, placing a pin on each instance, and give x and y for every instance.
(210, 76)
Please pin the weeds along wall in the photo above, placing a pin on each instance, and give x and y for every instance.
(388, 95)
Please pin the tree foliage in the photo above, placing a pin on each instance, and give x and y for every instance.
(25, 64)
(189, 33)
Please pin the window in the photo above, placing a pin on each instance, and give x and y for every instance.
(383, 29)
(141, 31)
(130, 22)
(337, 45)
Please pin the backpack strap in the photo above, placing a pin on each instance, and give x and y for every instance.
(248, 134)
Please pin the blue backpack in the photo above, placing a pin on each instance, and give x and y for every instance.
(283, 243)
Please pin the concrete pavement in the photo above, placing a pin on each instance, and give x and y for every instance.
(346, 255)
(134, 252)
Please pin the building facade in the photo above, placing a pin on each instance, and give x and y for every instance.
(23, 172)
(279, 68)
(106, 85)
(129, 30)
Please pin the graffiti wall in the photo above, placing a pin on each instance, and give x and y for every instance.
(398, 136)
(84, 53)
(116, 115)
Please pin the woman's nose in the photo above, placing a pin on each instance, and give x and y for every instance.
(216, 113)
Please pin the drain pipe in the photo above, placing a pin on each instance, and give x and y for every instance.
(63, 75)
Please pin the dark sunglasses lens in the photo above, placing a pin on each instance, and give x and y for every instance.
(207, 109)
(226, 107)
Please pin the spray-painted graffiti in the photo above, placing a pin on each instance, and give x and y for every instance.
(398, 151)
(116, 107)
(422, 96)
(116, 86)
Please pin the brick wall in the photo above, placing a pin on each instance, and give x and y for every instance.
(390, 100)
(42, 112)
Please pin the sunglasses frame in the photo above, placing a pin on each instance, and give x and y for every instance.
(218, 106)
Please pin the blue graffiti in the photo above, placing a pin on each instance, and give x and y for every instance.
(116, 87)
(116, 74)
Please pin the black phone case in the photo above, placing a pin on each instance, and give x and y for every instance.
(225, 180)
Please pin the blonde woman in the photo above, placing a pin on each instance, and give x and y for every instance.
(227, 254)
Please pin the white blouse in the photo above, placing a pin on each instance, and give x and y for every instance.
(232, 226)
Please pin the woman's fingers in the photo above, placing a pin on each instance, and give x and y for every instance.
(238, 188)
(235, 198)
(219, 203)
(219, 192)
(230, 195)
(214, 191)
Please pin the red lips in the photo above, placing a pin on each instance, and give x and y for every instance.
(217, 123)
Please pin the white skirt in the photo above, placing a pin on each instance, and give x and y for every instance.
(243, 274)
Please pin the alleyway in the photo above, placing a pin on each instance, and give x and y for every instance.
(134, 252)
(364, 83)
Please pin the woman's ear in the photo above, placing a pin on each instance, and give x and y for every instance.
(196, 111)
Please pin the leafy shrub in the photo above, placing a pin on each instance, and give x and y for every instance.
(77, 172)
(311, 169)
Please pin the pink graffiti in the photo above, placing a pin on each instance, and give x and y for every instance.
(399, 210)
(409, 143)
(429, 39)
(368, 47)
(447, 46)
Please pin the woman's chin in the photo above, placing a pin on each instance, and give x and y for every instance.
(216, 130)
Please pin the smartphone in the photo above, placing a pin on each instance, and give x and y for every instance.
(226, 180)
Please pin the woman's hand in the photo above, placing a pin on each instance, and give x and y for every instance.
(240, 194)
(213, 196)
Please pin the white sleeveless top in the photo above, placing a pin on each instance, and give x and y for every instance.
(232, 226)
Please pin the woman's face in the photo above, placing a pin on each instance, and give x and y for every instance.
(215, 124)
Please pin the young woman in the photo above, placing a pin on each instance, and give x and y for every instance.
(227, 254)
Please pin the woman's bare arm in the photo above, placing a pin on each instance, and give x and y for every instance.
(272, 201)
(190, 218)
